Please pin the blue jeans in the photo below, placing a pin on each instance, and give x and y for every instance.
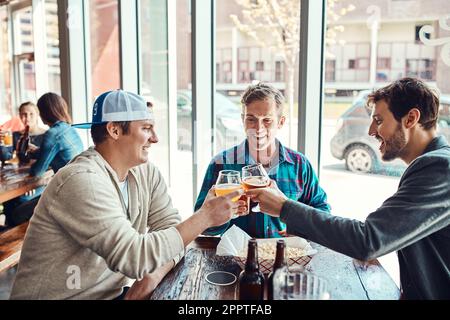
(20, 209)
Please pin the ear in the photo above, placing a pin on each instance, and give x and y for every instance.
(281, 122)
(412, 118)
(113, 130)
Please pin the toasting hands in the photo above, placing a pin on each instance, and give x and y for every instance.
(220, 210)
(270, 199)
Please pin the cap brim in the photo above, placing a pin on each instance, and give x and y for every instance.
(82, 125)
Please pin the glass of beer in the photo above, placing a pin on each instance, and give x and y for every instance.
(295, 283)
(8, 139)
(254, 176)
(227, 182)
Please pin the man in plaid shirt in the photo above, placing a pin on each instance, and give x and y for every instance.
(294, 175)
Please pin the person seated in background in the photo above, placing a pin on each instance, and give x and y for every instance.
(415, 221)
(107, 217)
(262, 115)
(59, 144)
(29, 115)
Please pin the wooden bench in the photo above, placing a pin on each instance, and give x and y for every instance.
(11, 246)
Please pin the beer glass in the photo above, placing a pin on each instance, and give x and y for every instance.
(295, 283)
(8, 139)
(254, 176)
(227, 182)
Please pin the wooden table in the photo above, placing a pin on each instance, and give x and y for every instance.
(15, 181)
(11, 242)
(348, 279)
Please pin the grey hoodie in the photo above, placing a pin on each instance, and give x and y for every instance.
(82, 243)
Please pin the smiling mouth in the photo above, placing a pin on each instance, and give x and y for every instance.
(259, 137)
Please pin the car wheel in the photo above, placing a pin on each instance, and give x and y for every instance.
(360, 159)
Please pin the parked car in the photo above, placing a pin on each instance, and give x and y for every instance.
(229, 127)
(359, 150)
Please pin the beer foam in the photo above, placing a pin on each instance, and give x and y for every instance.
(228, 186)
(256, 181)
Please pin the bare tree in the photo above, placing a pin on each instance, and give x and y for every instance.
(275, 24)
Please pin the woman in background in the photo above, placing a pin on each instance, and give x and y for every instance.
(59, 145)
(29, 116)
(61, 142)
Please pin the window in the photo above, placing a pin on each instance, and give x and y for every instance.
(53, 60)
(183, 187)
(362, 63)
(259, 66)
(6, 110)
(105, 52)
(23, 48)
(383, 69)
(224, 65)
(384, 63)
(273, 58)
(347, 151)
(330, 70)
(243, 69)
(352, 64)
(244, 74)
(279, 71)
(154, 73)
(421, 68)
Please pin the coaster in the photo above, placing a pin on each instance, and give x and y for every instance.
(221, 278)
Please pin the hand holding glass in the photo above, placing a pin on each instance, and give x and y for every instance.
(227, 182)
(254, 176)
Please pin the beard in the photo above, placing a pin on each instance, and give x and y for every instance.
(393, 147)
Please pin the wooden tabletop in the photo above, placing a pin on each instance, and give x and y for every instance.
(11, 245)
(15, 181)
(348, 279)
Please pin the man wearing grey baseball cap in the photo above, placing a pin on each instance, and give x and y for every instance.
(107, 218)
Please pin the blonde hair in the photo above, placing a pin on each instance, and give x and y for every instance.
(263, 91)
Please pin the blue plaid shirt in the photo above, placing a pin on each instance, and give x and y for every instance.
(293, 174)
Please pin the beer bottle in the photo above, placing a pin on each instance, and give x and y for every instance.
(280, 261)
(22, 146)
(251, 279)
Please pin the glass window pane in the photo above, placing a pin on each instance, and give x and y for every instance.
(105, 53)
(23, 31)
(259, 51)
(154, 74)
(24, 69)
(53, 63)
(183, 187)
(5, 68)
(384, 52)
